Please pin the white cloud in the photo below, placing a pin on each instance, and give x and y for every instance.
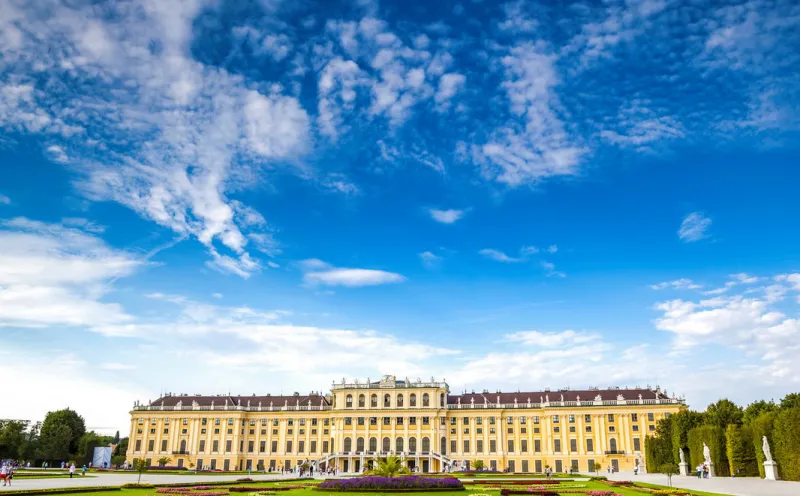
(429, 259)
(116, 366)
(499, 256)
(51, 275)
(677, 284)
(448, 216)
(552, 249)
(217, 295)
(551, 339)
(694, 227)
(317, 272)
(57, 153)
(83, 224)
(449, 85)
(4, 200)
(536, 146)
(550, 270)
(641, 126)
(528, 250)
(743, 278)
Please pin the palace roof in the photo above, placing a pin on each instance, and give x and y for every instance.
(230, 400)
(556, 396)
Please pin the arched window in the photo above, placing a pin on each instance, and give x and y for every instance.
(426, 444)
(387, 400)
(360, 444)
(443, 446)
(441, 400)
(399, 400)
(426, 400)
(183, 446)
(412, 444)
(348, 445)
(361, 401)
(412, 400)
(373, 401)
(373, 444)
(612, 444)
(348, 402)
(398, 444)
(387, 444)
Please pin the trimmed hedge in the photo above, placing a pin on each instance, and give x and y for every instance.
(786, 450)
(741, 456)
(714, 437)
(681, 423)
(763, 426)
(657, 452)
(66, 490)
(138, 485)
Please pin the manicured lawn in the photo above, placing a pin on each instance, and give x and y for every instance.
(698, 493)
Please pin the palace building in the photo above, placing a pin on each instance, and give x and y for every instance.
(431, 429)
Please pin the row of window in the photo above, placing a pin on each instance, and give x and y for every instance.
(231, 420)
(387, 400)
(387, 445)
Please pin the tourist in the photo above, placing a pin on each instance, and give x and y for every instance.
(4, 473)
(71, 470)
(83, 471)
(705, 471)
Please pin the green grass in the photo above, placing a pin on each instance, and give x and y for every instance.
(693, 492)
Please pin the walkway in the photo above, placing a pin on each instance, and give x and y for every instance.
(117, 479)
(735, 486)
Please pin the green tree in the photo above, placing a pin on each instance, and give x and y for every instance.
(66, 418)
(117, 460)
(723, 413)
(164, 461)
(122, 447)
(86, 445)
(140, 467)
(682, 423)
(762, 426)
(391, 466)
(478, 465)
(116, 438)
(791, 400)
(12, 438)
(658, 449)
(54, 442)
(597, 468)
(669, 469)
(714, 437)
(756, 408)
(786, 435)
(30, 447)
(741, 455)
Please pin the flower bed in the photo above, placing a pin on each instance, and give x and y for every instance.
(515, 482)
(174, 490)
(202, 488)
(624, 483)
(250, 489)
(407, 483)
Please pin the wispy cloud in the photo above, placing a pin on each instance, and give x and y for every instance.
(499, 256)
(676, 284)
(448, 216)
(694, 227)
(4, 200)
(317, 272)
(429, 259)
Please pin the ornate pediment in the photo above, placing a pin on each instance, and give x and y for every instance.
(388, 381)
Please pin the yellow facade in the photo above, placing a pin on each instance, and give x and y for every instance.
(422, 422)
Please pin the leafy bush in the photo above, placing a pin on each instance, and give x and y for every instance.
(658, 451)
(741, 455)
(787, 443)
(714, 437)
(391, 483)
(598, 478)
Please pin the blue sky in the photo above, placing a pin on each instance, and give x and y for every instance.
(212, 196)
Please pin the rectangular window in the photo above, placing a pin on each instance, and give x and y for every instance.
(478, 420)
(326, 422)
(556, 429)
(313, 422)
(637, 444)
(250, 446)
(387, 420)
(288, 446)
(202, 431)
(559, 466)
(466, 446)
(510, 430)
(274, 422)
(313, 446)
(610, 417)
(573, 445)
(492, 446)
(152, 431)
(524, 447)
(453, 420)
(651, 427)
(230, 421)
(262, 446)
(537, 445)
(230, 431)
(313, 431)
(479, 445)
(466, 430)
(509, 420)
(274, 432)
(589, 445)
(510, 445)
(572, 428)
(289, 431)
(141, 421)
(536, 430)
(228, 446)
(491, 420)
(274, 447)
(348, 421)
(151, 445)
(635, 428)
(373, 421)
(184, 431)
(324, 446)
(361, 421)
(611, 428)
(452, 431)
(166, 431)
(453, 446)
(263, 432)
(301, 446)
(138, 431)
(241, 446)
(525, 466)
(491, 430)
(302, 421)
(634, 417)
(479, 430)
(163, 445)
(522, 420)
(252, 431)
(537, 466)
(589, 428)
(443, 421)
(399, 421)
(556, 445)
(535, 419)
(556, 419)
(263, 422)
(466, 420)
(290, 422)
(571, 419)
(215, 446)
(587, 418)
(426, 421)
(186, 421)
(651, 417)
(202, 447)
(138, 445)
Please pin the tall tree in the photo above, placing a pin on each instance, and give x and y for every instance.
(30, 447)
(756, 408)
(116, 438)
(682, 423)
(723, 413)
(791, 400)
(63, 418)
(12, 438)
(54, 442)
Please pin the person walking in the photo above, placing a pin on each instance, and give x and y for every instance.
(4, 473)
(83, 471)
(71, 470)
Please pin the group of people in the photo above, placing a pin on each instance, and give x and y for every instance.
(702, 471)
(7, 472)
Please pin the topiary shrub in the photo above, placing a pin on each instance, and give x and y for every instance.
(714, 437)
(762, 426)
(741, 455)
(786, 435)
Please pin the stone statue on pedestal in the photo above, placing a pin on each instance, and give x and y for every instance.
(765, 448)
(683, 459)
(706, 454)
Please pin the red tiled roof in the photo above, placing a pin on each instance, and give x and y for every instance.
(277, 401)
(554, 396)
